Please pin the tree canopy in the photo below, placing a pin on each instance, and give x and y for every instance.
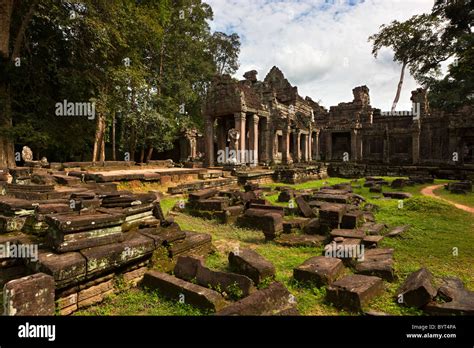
(424, 42)
(144, 65)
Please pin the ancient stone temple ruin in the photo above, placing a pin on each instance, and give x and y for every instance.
(268, 122)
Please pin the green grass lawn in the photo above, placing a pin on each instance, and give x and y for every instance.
(437, 231)
(465, 199)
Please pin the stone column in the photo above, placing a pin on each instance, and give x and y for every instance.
(253, 140)
(416, 144)
(328, 146)
(285, 155)
(209, 137)
(386, 147)
(268, 141)
(353, 146)
(317, 147)
(359, 146)
(454, 147)
(240, 119)
(220, 133)
(310, 146)
(297, 146)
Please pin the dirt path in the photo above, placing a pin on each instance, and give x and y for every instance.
(429, 191)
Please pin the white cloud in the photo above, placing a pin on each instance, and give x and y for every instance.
(320, 45)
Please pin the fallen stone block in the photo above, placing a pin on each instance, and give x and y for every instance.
(345, 233)
(346, 249)
(397, 195)
(29, 296)
(417, 290)
(95, 294)
(319, 270)
(372, 241)
(331, 214)
(198, 244)
(232, 213)
(294, 225)
(251, 264)
(372, 228)
(164, 235)
(67, 304)
(452, 299)
(286, 195)
(398, 183)
(352, 219)
(274, 300)
(81, 240)
(232, 284)
(107, 257)
(186, 292)
(300, 240)
(304, 207)
(12, 223)
(202, 194)
(271, 224)
(354, 291)
(268, 208)
(66, 269)
(210, 204)
(71, 223)
(332, 198)
(398, 230)
(376, 189)
(377, 262)
(313, 227)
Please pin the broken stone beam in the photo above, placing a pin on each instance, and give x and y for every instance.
(178, 289)
(344, 233)
(397, 195)
(192, 268)
(29, 296)
(268, 208)
(66, 269)
(319, 270)
(107, 257)
(193, 243)
(377, 262)
(271, 224)
(76, 223)
(77, 241)
(299, 240)
(417, 290)
(354, 291)
(251, 264)
(203, 194)
(304, 207)
(274, 300)
(164, 235)
(455, 299)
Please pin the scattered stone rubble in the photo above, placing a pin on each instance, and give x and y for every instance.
(87, 235)
(90, 234)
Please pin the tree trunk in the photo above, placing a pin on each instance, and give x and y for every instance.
(132, 144)
(7, 156)
(149, 154)
(113, 138)
(399, 89)
(98, 153)
(142, 154)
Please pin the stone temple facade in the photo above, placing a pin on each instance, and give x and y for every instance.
(272, 122)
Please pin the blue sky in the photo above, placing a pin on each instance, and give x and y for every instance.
(320, 45)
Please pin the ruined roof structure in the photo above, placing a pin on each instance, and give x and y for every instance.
(277, 125)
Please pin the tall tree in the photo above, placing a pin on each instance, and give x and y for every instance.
(225, 51)
(413, 43)
(11, 40)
